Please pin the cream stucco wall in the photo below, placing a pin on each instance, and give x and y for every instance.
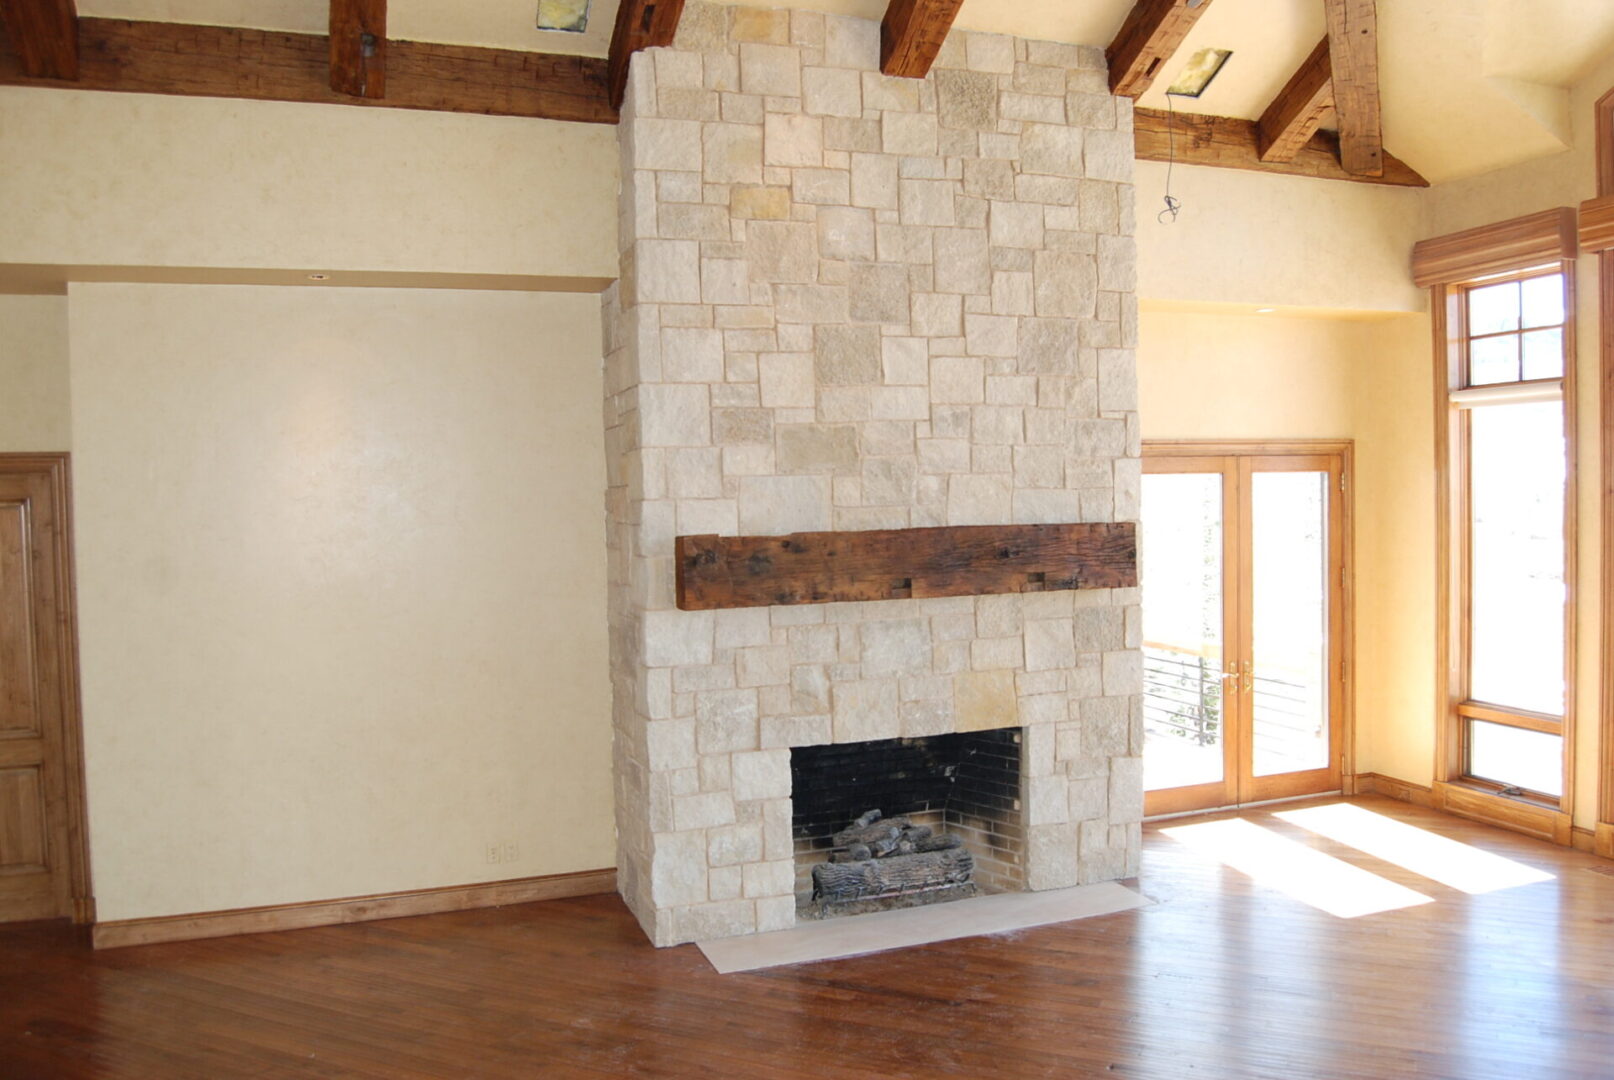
(1288, 241)
(341, 584)
(34, 411)
(144, 180)
(1261, 377)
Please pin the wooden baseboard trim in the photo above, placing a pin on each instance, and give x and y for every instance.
(210, 924)
(1603, 840)
(1582, 839)
(1391, 788)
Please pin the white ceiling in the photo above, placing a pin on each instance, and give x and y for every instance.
(1469, 85)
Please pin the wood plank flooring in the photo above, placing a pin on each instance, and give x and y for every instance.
(1222, 977)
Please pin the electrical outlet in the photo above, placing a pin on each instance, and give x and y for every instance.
(511, 851)
(494, 853)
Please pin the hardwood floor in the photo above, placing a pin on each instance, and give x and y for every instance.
(1220, 978)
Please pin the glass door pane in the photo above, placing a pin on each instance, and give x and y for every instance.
(1183, 649)
(1289, 621)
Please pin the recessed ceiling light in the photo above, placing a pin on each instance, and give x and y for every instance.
(1265, 310)
(570, 16)
(1202, 67)
(319, 277)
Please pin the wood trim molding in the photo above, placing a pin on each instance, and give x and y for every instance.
(359, 47)
(1150, 36)
(1533, 240)
(259, 920)
(44, 34)
(59, 466)
(1353, 47)
(640, 24)
(1391, 788)
(1603, 840)
(1228, 142)
(261, 65)
(1294, 115)
(1516, 815)
(1604, 119)
(890, 564)
(1597, 224)
(912, 33)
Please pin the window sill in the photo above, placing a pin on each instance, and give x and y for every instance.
(1532, 817)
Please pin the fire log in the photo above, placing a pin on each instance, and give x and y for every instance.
(897, 874)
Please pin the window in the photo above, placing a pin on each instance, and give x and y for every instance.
(1508, 502)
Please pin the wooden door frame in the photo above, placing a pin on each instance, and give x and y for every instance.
(58, 467)
(1343, 590)
(1603, 834)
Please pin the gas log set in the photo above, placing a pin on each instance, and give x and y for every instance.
(880, 858)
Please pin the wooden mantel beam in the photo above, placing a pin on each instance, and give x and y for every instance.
(1230, 143)
(45, 35)
(1353, 46)
(640, 24)
(1292, 118)
(359, 47)
(1147, 39)
(912, 34)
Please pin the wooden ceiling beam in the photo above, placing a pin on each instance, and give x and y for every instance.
(1353, 46)
(912, 34)
(640, 24)
(359, 47)
(1294, 115)
(262, 65)
(44, 34)
(1149, 37)
(1230, 143)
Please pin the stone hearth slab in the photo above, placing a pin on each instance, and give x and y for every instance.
(836, 939)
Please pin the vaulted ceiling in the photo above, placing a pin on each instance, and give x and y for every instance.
(1467, 86)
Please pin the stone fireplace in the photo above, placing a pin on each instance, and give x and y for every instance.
(851, 302)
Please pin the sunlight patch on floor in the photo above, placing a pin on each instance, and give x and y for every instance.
(1297, 871)
(1427, 854)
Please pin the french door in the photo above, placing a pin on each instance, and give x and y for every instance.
(1244, 622)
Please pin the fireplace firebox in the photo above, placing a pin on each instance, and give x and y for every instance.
(964, 785)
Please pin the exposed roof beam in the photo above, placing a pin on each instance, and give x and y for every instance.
(359, 47)
(1292, 118)
(1230, 143)
(1353, 46)
(1151, 34)
(912, 34)
(261, 65)
(45, 35)
(640, 24)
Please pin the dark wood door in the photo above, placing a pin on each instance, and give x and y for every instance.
(42, 868)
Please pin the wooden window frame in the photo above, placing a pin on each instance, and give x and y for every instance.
(1457, 792)
(1597, 236)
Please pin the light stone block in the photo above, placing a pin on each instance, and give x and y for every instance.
(896, 646)
(678, 869)
(762, 774)
(674, 415)
(985, 700)
(781, 251)
(1050, 645)
(989, 52)
(1015, 224)
(874, 181)
(770, 70)
(691, 355)
(667, 271)
(832, 92)
(666, 144)
(1123, 672)
(786, 380)
(846, 355)
(878, 293)
(1046, 507)
(926, 202)
(673, 638)
(777, 505)
(978, 500)
(726, 720)
(1108, 155)
(758, 201)
(851, 43)
(865, 710)
(703, 811)
(765, 879)
(737, 628)
(817, 448)
(910, 134)
(731, 153)
(1051, 148)
(966, 100)
(845, 232)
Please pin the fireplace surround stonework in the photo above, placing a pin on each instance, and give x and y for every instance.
(852, 302)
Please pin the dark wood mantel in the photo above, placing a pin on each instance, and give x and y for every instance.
(892, 564)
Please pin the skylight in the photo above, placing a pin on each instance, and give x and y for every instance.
(570, 16)
(1202, 67)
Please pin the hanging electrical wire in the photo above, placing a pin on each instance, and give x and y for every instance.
(1173, 204)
